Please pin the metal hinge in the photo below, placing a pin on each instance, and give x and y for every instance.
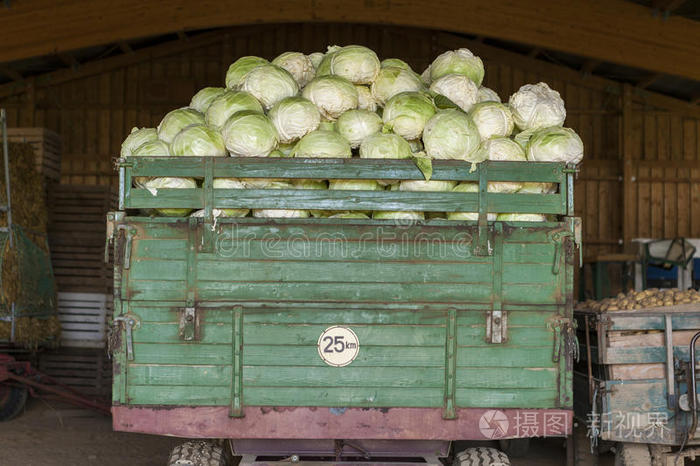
(129, 322)
(564, 330)
(189, 324)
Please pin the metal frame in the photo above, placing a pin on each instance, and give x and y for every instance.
(7, 208)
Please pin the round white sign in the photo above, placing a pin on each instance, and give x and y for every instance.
(338, 346)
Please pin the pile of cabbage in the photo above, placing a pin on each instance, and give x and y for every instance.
(347, 103)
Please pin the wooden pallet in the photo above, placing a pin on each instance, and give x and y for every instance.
(77, 216)
(84, 319)
(47, 150)
(88, 370)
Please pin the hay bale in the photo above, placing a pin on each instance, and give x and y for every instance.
(30, 332)
(26, 189)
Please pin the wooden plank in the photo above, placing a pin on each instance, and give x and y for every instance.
(507, 398)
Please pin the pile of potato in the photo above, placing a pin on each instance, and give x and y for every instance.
(652, 297)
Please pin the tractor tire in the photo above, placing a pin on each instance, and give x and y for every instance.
(197, 453)
(12, 401)
(632, 454)
(515, 447)
(481, 456)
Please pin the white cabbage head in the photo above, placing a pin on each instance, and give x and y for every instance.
(356, 125)
(154, 148)
(203, 99)
(173, 122)
(332, 95)
(555, 144)
(294, 117)
(298, 65)
(355, 63)
(458, 88)
(492, 119)
(355, 185)
(322, 144)
(385, 146)
(523, 137)
(228, 103)
(136, 137)
(487, 95)
(521, 218)
(316, 58)
(537, 106)
(238, 69)
(461, 61)
(155, 184)
(269, 84)
(365, 99)
(249, 134)
(502, 149)
(468, 187)
(422, 185)
(394, 80)
(451, 134)
(397, 215)
(407, 113)
(395, 62)
(199, 141)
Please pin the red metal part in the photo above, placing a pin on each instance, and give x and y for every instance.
(351, 423)
(22, 373)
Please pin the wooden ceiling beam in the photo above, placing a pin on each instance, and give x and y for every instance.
(668, 6)
(69, 60)
(12, 74)
(649, 80)
(125, 47)
(615, 31)
(589, 66)
(534, 52)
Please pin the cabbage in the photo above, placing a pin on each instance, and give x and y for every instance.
(294, 117)
(422, 185)
(356, 215)
(225, 183)
(203, 99)
(154, 184)
(249, 134)
(538, 188)
(266, 183)
(322, 144)
(492, 119)
(461, 61)
(355, 185)
(298, 65)
(521, 218)
(537, 106)
(355, 63)
(199, 140)
(324, 66)
(487, 95)
(269, 84)
(316, 58)
(458, 88)
(425, 76)
(555, 144)
(279, 213)
(472, 216)
(286, 149)
(155, 148)
(416, 146)
(332, 95)
(397, 215)
(523, 137)
(229, 103)
(137, 137)
(224, 213)
(238, 69)
(451, 134)
(385, 146)
(356, 125)
(173, 122)
(310, 184)
(396, 63)
(327, 125)
(406, 114)
(365, 99)
(391, 81)
(502, 149)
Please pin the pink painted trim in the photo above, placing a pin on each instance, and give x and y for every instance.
(352, 423)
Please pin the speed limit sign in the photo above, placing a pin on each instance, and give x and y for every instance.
(338, 346)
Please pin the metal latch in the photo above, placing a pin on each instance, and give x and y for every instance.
(496, 326)
(558, 238)
(113, 226)
(564, 330)
(189, 324)
(130, 322)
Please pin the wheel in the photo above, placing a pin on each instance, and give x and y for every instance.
(481, 456)
(632, 454)
(12, 401)
(197, 453)
(515, 447)
(582, 447)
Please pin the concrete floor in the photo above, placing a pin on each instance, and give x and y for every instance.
(46, 435)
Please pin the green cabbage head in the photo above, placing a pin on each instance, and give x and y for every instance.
(173, 122)
(269, 84)
(333, 95)
(393, 80)
(199, 141)
(136, 137)
(356, 125)
(322, 144)
(241, 67)
(356, 63)
(203, 99)
(407, 113)
(461, 61)
(555, 144)
(451, 134)
(228, 103)
(294, 117)
(249, 134)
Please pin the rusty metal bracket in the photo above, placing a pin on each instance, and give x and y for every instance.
(564, 330)
(496, 320)
(129, 322)
(189, 324)
(558, 237)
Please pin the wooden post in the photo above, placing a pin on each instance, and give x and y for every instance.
(629, 203)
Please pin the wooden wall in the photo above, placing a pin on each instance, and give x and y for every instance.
(640, 176)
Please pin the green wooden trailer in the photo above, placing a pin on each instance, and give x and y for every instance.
(343, 338)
